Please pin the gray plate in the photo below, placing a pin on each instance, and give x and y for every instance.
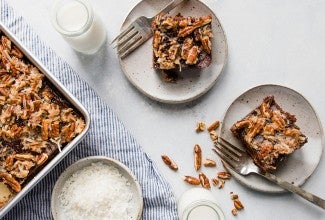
(138, 67)
(70, 98)
(302, 163)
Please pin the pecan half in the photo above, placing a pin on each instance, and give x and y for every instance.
(192, 180)
(233, 196)
(204, 181)
(213, 135)
(238, 205)
(40, 159)
(209, 163)
(215, 181)
(197, 157)
(200, 126)
(224, 175)
(8, 179)
(214, 126)
(234, 212)
(221, 183)
(171, 164)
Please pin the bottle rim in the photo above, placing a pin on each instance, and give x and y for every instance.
(83, 29)
(188, 210)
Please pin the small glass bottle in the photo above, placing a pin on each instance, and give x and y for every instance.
(76, 21)
(198, 204)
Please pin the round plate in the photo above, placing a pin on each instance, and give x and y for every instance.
(137, 200)
(302, 163)
(138, 66)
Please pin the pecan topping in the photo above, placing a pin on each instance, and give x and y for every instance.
(209, 163)
(192, 180)
(34, 118)
(171, 164)
(197, 157)
(204, 181)
(8, 179)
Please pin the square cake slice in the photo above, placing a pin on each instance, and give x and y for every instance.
(181, 42)
(269, 134)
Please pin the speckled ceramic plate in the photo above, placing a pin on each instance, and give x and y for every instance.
(138, 67)
(302, 163)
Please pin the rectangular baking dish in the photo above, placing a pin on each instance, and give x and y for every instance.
(74, 103)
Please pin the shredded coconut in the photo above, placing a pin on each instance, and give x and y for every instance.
(98, 191)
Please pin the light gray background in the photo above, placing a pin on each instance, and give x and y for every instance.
(281, 42)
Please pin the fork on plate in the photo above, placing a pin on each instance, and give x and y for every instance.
(138, 31)
(240, 162)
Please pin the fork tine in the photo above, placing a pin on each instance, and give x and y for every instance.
(228, 165)
(225, 157)
(126, 38)
(226, 150)
(123, 33)
(131, 46)
(230, 148)
(227, 153)
(233, 148)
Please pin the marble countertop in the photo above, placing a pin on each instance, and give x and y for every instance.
(277, 42)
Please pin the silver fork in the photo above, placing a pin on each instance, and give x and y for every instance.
(138, 32)
(239, 161)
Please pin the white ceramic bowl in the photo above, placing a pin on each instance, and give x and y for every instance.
(137, 199)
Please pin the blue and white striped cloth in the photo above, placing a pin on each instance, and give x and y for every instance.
(107, 136)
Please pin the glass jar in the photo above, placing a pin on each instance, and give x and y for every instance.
(198, 204)
(76, 21)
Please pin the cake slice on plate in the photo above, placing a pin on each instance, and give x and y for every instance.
(269, 134)
(180, 43)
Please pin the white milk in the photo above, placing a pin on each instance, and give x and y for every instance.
(199, 204)
(79, 25)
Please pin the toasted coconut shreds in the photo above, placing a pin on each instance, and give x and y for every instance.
(35, 122)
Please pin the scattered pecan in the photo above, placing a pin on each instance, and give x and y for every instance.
(171, 164)
(209, 163)
(204, 181)
(224, 175)
(192, 180)
(213, 126)
(197, 157)
(233, 196)
(213, 136)
(200, 126)
(215, 181)
(221, 183)
(234, 212)
(238, 205)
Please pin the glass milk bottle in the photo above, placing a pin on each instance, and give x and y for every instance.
(199, 204)
(76, 21)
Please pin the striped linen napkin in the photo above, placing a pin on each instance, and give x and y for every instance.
(107, 136)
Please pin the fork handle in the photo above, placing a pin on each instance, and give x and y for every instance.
(297, 190)
(170, 6)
